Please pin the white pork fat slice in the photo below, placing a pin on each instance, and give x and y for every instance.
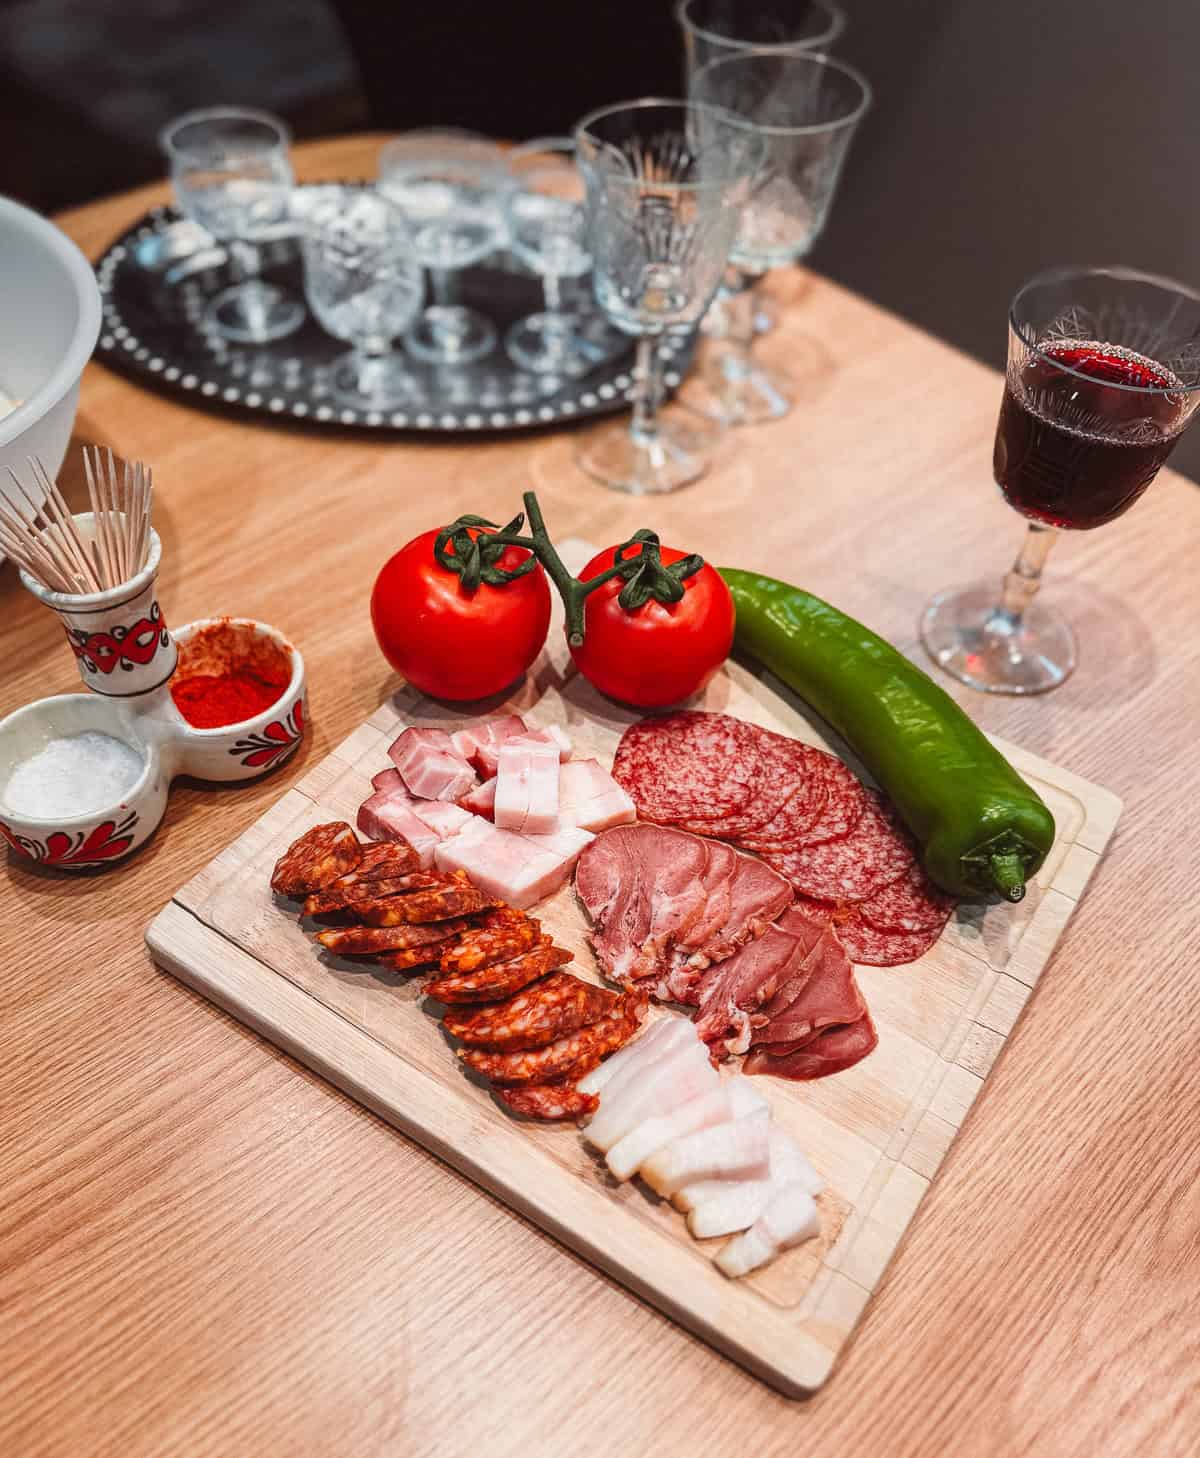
(633, 1055)
(430, 766)
(737, 1150)
(513, 867)
(790, 1217)
(527, 787)
(388, 816)
(443, 818)
(589, 797)
(733, 1099)
(663, 1084)
(788, 1165)
(478, 742)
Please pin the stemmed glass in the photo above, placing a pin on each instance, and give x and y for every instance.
(713, 29)
(665, 184)
(547, 228)
(364, 285)
(806, 109)
(231, 173)
(1103, 376)
(450, 190)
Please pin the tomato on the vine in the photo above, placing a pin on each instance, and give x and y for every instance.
(452, 642)
(660, 653)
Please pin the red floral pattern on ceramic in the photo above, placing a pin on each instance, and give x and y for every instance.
(121, 647)
(103, 843)
(274, 743)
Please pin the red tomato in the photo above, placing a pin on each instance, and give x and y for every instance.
(451, 643)
(662, 652)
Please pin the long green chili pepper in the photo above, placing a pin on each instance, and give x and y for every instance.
(980, 826)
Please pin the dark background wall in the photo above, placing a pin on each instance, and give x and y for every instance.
(1007, 135)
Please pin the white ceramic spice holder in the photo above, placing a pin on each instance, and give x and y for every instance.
(126, 655)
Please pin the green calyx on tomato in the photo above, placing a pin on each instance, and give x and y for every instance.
(646, 624)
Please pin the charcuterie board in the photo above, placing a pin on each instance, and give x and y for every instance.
(877, 1132)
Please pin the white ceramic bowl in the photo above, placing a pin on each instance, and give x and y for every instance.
(50, 305)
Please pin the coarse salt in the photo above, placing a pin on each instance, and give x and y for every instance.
(73, 776)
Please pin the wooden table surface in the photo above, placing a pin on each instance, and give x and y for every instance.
(205, 1250)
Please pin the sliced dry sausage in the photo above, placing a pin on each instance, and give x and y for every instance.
(459, 898)
(320, 856)
(348, 891)
(357, 941)
(499, 938)
(551, 1008)
(548, 1101)
(501, 979)
(568, 1057)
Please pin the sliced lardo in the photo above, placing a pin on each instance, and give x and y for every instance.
(659, 1086)
(527, 786)
(721, 1207)
(483, 737)
(657, 1040)
(791, 1216)
(732, 1099)
(519, 869)
(387, 816)
(736, 1150)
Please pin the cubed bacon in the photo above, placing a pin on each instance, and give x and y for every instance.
(443, 818)
(389, 781)
(519, 869)
(488, 758)
(590, 798)
(484, 738)
(527, 787)
(430, 766)
(389, 817)
(481, 800)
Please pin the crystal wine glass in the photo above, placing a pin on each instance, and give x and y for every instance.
(713, 29)
(364, 285)
(666, 181)
(547, 232)
(806, 109)
(450, 189)
(1103, 376)
(231, 173)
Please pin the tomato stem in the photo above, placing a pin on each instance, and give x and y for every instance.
(479, 544)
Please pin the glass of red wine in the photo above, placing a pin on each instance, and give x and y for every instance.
(1103, 377)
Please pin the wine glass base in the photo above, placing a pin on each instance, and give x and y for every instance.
(966, 633)
(723, 388)
(450, 335)
(254, 313)
(546, 344)
(380, 384)
(678, 452)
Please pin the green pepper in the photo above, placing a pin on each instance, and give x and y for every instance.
(981, 828)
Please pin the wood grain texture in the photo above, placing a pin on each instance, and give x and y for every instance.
(203, 1250)
(868, 1131)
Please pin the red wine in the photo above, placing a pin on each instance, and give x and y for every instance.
(1075, 450)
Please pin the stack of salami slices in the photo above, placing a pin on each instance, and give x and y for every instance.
(804, 812)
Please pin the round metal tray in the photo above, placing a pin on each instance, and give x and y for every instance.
(156, 280)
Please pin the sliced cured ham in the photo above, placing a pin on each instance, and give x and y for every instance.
(757, 896)
(831, 1051)
(430, 766)
(822, 994)
(737, 987)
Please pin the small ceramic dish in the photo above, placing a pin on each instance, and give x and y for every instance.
(153, 727)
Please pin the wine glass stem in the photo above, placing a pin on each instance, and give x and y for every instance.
(1024, 577)
(248, 257)
(441, 282)
(644, 426)
(552, 293)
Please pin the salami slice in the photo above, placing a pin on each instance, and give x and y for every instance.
(875, 948)
(548, 1101)
(572, 1056)
(854, 867)
(688, 765)
(911, 903)
(846, 799)
(781, 771)
(501, 979)
(557, 1005)
(320, 856)
(800, 810)
(496, 940)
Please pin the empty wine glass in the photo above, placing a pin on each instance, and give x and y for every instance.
(1103, 377)
(547, 229)
(231, 173)
(449, 188)
(716, 28)
(364, 285)
(806, 109)
(665, 184)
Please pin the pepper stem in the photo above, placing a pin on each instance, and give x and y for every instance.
(1008, 874)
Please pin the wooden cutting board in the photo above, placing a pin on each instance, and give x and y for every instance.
(877, 1132)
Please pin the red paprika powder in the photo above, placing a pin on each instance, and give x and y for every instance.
(209, 701)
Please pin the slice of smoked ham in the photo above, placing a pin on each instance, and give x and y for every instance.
(831, 1051)
(734, 988)
(824, 994)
